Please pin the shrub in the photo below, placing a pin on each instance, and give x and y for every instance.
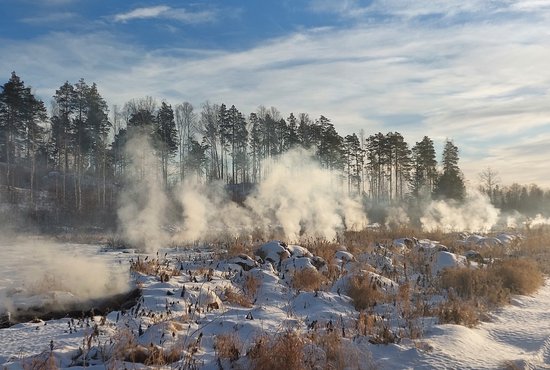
(494, 284)
(519, 276)
(308, 280)
(43, 361)
(251, 285)
(234, 297)
(482, 285)
(227, 346)
(455, 311)
(363, 293)
(329, 350)
(284, 351)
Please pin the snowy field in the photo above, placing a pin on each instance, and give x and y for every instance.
(194, 298)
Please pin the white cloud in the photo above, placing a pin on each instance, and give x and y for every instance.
(405, 9)
(482, 83)
(166, 12)
(49, 18)
(141, 13)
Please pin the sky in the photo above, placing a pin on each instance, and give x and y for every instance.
(474, 71)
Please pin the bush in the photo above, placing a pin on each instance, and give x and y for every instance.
(482, 285)
(308, 280)
(363, 293)
(494, 284)
(227, 346)
(234, 297)
(519, 276)
(251, 285)
(458, 312)
(281, 352)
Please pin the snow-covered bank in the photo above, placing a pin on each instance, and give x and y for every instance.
(194, 298)
(516, 335)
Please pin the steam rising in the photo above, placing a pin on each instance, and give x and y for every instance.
(37, 272)
(297, 198)
(143, 203)
(476, 213)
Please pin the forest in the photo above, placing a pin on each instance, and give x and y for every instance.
(71, 161)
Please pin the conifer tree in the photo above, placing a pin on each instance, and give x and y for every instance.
(166, 141)
(13, 111)
(450, 183)
(424, 171)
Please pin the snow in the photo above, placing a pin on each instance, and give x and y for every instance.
(442, 260)
(191, 309)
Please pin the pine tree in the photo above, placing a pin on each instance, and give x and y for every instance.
(210, 132)
(99, 126)
(377, 152)
(450, 184)
(166, 141)
(186, 125)
(291, 136)
(400, 165)
(354, 155)
(34, 135)
(424, 171)
(13, 111)
(330, 145)
(255, 147)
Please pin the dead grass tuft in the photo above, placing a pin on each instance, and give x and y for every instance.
(491, 286)
(234, 297)
(154, 267)
(456, 311)
(250, 286)
(284, 351)
(363, 293)
(43, 361)
(519, 276)
(308, 280)
(227, 346)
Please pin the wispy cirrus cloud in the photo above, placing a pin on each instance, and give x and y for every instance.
(484, 82)
(167, 12)
(50, 18)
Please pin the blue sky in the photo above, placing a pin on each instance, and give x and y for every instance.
(475, 71)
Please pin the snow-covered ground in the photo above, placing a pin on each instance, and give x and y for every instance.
(194, 299)
(517, 335)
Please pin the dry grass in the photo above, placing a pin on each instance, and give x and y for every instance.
(237, 247)
(493, 285)
(127, 349)
(519, 276)
(234, 297)
(227, 346)
(536, 245)
(363, 293)
(481, 285)
(365, 323)
(455, 311)
(154, 267)
(322, 248)
(284, 351)
(43, 361)
(250, 286)
(329, 350)
(307, 280)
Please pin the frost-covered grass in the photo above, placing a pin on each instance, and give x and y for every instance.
(363, 302)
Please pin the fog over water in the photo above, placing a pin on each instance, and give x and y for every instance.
(35, 271)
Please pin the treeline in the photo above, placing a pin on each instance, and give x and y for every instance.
(77, 151)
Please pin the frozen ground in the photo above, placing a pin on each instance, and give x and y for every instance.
(517, 334)
(188, 310)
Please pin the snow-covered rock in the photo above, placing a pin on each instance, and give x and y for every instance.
(442, 260)
(273, 251)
